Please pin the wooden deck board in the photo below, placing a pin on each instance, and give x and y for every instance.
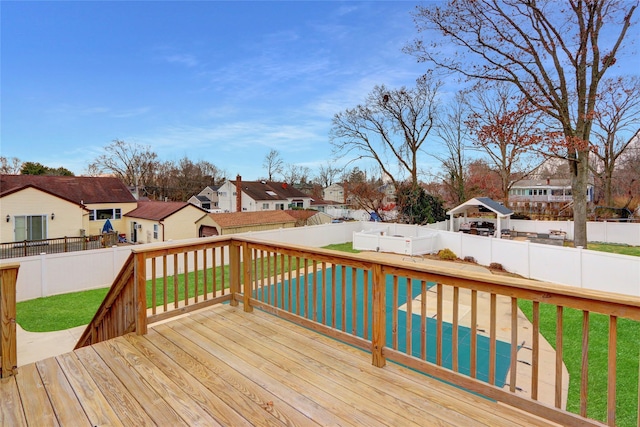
(36, 405)
(222, 366)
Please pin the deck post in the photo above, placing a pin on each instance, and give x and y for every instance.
(141, 293)
(378, 320)
(8, 345)
(246, 264)
(234, 271)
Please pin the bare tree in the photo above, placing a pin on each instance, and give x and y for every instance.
(507, 130)
(553, 54)
(273, 164)
(617, 116)
(327, 175)
(391, 121)
(133, 164)
(454, 134)
(296, 174)
(10, 166)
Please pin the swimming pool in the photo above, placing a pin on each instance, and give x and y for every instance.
(313, 295)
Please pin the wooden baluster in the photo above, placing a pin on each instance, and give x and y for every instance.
(354, 301)
(535, 350)
(196, 274)
(492, 340)
(324, 293)
(366, 305)
(185, 277)
(473, 371)
(153, 285)
(558, 378)
(514, 345)
(378, 332)
(222, 268)
(394, 314)
(289, 284)
(314, 294)
(234, 273)
(454, 330)
(248, 278)
(584, 379)
(333, 295)
(141, 293)
(305, 311)
(205, 275)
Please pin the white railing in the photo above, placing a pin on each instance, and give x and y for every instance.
(46, 275)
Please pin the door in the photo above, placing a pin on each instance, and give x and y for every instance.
(30, 227)
(134, 232)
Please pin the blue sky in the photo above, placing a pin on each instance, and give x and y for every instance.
(223, 82)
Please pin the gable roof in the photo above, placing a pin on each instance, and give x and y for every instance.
(487, 202)
(270, 190)
(79, 189)
(203, 198)
(301, 214)
(237, 219)
(158, 211)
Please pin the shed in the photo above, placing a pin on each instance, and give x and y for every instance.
(486, 203)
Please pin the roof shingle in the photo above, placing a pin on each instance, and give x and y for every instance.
(79, 189)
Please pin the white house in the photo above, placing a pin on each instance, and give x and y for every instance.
(254, 196)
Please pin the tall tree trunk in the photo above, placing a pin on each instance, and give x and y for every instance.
(579, 181)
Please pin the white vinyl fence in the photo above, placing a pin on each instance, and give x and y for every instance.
(52, 274)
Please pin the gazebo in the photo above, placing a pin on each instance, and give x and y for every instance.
(488, 204)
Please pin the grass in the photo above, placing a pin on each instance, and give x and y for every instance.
(616, 249)
(627, 360)
(69, 310)
(59, 311)
(343, 247)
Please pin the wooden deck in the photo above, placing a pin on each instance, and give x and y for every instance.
(221, 366)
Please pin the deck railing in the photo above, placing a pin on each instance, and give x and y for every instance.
(8, 345)
(465, 328)
(57, 245)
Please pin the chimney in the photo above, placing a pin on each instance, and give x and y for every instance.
(548, 181)
(238, 193)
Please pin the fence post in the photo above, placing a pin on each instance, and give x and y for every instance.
(234, 271)
(8, 345)
(246, 264)
(378, 317)
(140, 268)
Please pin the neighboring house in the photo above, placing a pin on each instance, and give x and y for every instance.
(255, 196)
(217, 224)
(334, 193)
(207, 198)
(543, 193)
(155, 221)
(326, 205)
(34, 207)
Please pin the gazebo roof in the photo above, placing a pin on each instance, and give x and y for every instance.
(486, 202)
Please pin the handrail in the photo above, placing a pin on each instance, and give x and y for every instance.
(8, 345)
(456, 325)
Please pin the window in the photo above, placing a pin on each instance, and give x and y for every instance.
(222, 194)
(265, 206)
(104, 214)
(279, 206)
(155, 231)
(30, 227)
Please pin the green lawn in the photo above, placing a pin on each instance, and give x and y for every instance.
(616, 249)
(627, 360)
(343, 247)
(78, 308)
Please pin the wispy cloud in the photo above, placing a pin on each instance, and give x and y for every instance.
(183, 59)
